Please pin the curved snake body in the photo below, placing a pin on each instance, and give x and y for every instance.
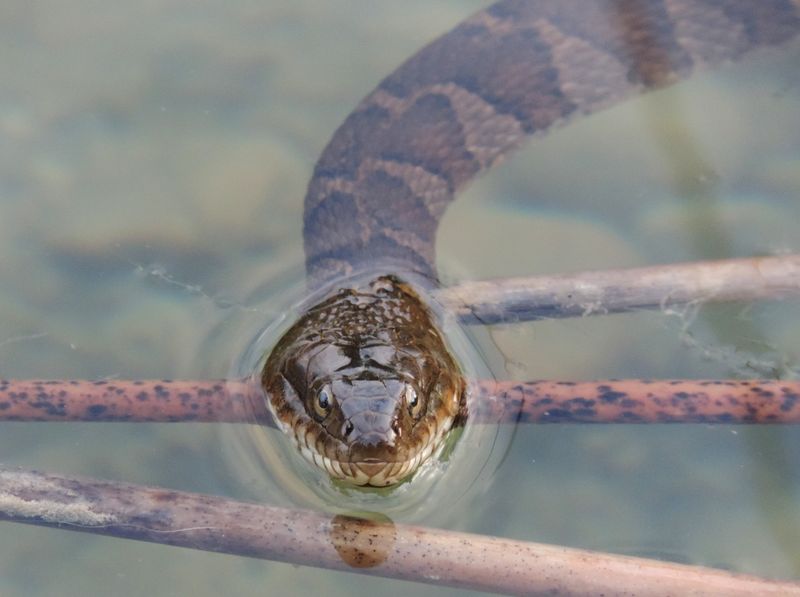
(364, 382)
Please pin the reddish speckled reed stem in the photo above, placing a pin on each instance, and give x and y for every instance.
(159, 401)
(640, 401)
(612, 401)
(383, 549)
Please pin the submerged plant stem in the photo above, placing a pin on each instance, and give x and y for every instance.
(511, 300)
(384, 549)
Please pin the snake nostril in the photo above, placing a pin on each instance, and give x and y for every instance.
(348, 428)
(396, 426)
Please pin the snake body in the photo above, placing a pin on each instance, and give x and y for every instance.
(364, 382)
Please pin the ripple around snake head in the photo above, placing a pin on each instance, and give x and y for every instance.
(364, 383)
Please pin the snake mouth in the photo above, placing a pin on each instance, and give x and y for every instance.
(374, 472)
(371, 472)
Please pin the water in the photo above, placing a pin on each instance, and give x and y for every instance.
(152, 165)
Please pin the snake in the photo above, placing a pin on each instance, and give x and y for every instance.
(364, 382)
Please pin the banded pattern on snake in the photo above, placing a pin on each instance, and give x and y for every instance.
(364, 381)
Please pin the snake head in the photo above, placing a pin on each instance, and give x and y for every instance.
(364, 383)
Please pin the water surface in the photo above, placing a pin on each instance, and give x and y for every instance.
(153, 162)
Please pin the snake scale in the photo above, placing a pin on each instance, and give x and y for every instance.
(364, 381)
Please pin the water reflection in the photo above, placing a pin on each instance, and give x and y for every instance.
(363, 542)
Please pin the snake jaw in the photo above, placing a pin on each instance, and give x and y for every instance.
(367, 471)
(372, 472)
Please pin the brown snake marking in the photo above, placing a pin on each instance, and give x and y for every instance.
(363, 380)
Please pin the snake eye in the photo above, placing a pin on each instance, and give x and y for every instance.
(413, 402)
(322, 405)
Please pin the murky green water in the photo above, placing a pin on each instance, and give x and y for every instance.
(153, 157)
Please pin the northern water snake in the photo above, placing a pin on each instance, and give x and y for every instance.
(364, 382)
